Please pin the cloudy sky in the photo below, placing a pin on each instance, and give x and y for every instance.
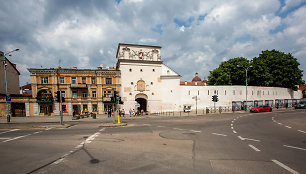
(195, 36)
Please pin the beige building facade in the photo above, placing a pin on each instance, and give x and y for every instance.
(84, 90)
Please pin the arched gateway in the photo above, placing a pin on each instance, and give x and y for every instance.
(142, 100)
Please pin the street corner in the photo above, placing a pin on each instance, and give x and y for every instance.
(122, 124)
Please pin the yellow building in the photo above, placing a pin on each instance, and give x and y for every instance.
(83, 89)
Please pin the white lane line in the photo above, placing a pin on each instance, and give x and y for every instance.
(48, 128)
(234, 132)
(219, 134)
(294, 147)
(147, 124)
(254, 148)
(241, 138)
(4, 138)
(231, 125)
(37, 132)
(302, 131)
(16, 138)
(288, 127)
(160, 126)
(285, 167)
(195, 131)
(232, 128)
(9, 131)
(280, 123)
(178, 129)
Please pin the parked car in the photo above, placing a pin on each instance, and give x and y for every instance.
(301, 105)
(261, 108)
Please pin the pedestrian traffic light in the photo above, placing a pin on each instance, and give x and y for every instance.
(213, 98)
(217, 98)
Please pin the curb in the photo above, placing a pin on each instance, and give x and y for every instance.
(113, 125)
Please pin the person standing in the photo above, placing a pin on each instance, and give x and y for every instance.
(130, 112)
(122, 112)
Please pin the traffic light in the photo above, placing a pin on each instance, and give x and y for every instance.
(116, 96)
(213, 98)
(120, 101)
(217, 98)
(57, 96)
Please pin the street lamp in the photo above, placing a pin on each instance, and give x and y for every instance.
(6, 90)
(246, 85)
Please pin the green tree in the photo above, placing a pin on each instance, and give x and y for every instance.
(275, 68)
(228, 72)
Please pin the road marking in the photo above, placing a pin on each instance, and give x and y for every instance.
(241, 138)
(16, 138)
(48, 128)
(195, 131)
(234, 132)
(147, 124)
(160, 126)
(288, 127)
(280, 123)
(37, 132)
(302, 131)
(4, 138)
(294, 147)
(232, 127)
(285, 167)
(219, 134)
(178, 129)
(254, 148)
(9, 131)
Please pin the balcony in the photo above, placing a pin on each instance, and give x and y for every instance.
(78, 86)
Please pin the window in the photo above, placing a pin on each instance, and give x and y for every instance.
(83, 80)
(85, 108)
(233, 92)
(130, 70)
(153, 70)
(93, 80)
(208, 92)
(225, 92)
(140, 70)
(64, 108)
(188, 92)
(74, 94)
(132, 83)
(63, 94)
(94, 108)
(44, 80)
(73, 80)
(198, 92)
(94, 94)
(108, 80)
(151, 83)
(62, 80)
(84, 94)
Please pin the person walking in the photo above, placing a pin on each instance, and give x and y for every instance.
(133, 113)
(130, 111)
(109, 112)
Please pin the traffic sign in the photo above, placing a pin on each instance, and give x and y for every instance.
(8, 98)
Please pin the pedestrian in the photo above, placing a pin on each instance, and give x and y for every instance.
(122, 112)
(130, 111)
(133, 113)
(109, 112)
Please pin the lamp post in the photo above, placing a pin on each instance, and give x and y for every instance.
(246, 85)
(6, 90)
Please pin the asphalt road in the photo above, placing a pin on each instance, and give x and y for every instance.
(272, 142)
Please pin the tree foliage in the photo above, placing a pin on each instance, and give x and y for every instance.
(270, 68)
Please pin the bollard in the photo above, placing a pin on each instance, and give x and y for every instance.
(118, 119)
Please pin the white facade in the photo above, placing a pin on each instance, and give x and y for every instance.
(148, 83)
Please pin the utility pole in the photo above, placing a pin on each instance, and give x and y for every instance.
(60, 102)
